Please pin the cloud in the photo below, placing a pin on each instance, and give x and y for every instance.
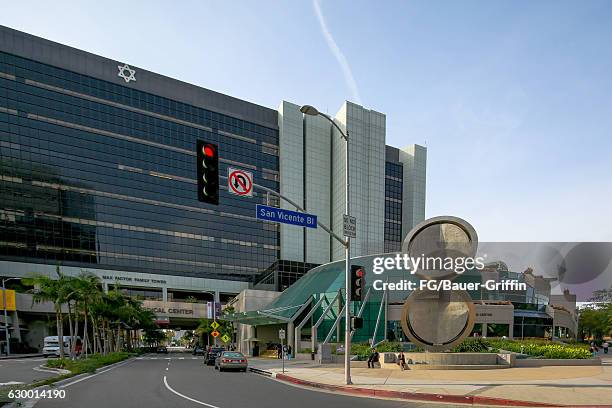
(346, 69)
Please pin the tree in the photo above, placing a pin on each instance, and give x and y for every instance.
(56, 291)
(596, 320)
(187, 338)
(89, 292)
(153, 336)
(205, 328)
(115, 318)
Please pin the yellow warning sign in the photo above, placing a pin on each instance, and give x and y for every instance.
(214, 325)
(10, 300)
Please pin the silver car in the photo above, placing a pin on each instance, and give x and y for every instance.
(231, 360)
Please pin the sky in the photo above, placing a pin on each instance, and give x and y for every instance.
(513, 99)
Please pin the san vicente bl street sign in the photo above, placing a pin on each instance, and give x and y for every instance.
(267, 213)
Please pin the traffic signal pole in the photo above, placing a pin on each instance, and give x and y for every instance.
(347, 272)
(347, 254)
(346, 242)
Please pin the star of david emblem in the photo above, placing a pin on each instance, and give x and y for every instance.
(127, 73)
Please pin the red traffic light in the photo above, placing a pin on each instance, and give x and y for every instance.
(208, 151)
(207, 155)
(359, 273)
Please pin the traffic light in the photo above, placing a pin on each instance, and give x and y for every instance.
(356, 323)
(208, 172)
(357, 282)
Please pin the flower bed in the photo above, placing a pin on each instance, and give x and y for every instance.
(543, 348)
(538, 348)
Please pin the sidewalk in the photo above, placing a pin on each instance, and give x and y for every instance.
(16, 356)
(552, 386)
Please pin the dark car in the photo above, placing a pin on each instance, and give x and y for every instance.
(198, 351)
(212, 354)
(162, 350)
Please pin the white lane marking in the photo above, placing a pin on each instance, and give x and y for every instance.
(11, 383)
(186, 397)
(94, 375)
(181, 358)
(166, 368)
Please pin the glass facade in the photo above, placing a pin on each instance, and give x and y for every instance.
(96, 174)
(529, 318)
(283, 274)
(393, 206)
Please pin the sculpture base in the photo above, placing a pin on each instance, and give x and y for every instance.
(449, 361)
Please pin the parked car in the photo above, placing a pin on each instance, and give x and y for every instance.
(51, 346)
(211, 355)
(198, 350)
(162, 350)
(231, 360)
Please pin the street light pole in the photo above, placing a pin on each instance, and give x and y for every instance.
(214, 311)
(6, 330)
(312, 111)
(347, 278)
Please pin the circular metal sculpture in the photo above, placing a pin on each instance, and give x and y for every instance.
(440, 237)
(439, 320)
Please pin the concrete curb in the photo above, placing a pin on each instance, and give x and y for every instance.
(418, 396)
(262, 372)
(46, 369)
(20, 356)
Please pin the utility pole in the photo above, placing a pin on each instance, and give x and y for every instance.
(6, 329)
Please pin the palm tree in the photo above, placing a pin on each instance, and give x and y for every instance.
(47, 289)
(113, 317)
(88, 289)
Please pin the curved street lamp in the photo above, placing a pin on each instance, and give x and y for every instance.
(312, 111)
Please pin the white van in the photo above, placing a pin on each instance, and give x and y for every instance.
(51, 346)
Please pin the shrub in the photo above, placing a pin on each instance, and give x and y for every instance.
(472, 345)
(362, 350)
(544, 349)
(87, 365)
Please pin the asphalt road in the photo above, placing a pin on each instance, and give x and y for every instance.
(187, 383)
(22, 370)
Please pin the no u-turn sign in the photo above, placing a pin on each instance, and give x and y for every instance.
(239, 182)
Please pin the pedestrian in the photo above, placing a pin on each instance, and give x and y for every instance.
(373, 358)
(289, 352)
(401, 361)
(279, 351)
(605, 347)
